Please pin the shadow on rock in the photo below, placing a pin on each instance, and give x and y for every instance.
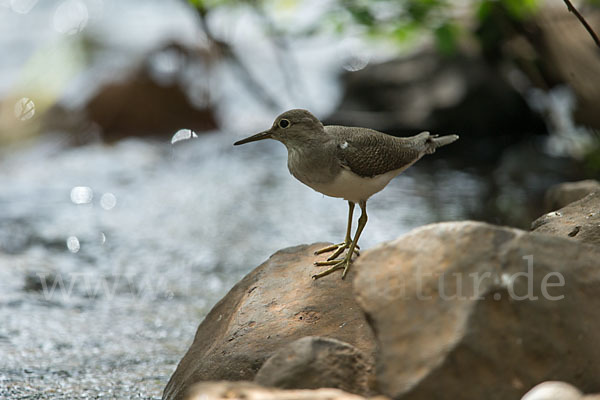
(317, 362)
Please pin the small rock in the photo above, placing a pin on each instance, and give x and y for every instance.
(579, 220)
(575, 231)
(32, 283)
(472, 311)
(251, 391)
(39, 281)
(147, 101)
(553, 390)
(559, 196)
(317, 362)
(274, 305)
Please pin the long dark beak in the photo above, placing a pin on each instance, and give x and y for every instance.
(254, 138)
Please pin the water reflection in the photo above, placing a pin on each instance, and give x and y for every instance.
(183, 134)
(73, 244)
(566, 139)
(108, 201)
(71, 17)
(22, 6)
(24, 109)
(354, 55)
(355, 63)
(166, 65)
(82, 195)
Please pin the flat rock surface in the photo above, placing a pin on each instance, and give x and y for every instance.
(314, 362)
(272, 306)
(467, 310)
(579, 220)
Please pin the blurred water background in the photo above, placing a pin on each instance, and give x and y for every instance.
(115, 243)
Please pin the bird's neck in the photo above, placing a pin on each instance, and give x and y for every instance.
(304, 143)
(311, 162)
(304, 150)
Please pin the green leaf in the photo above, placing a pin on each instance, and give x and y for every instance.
(446, 38)
(404, 32)
(420, 10)
(520, 8)
(484, 10)
(362, 15)
(196, 3)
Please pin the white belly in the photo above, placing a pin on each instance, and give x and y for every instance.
(352, 187)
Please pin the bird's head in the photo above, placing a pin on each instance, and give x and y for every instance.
(292, 126)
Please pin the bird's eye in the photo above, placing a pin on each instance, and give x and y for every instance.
(284, 123)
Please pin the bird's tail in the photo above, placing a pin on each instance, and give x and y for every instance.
(434, 141)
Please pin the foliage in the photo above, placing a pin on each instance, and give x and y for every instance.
(517, 9)
(397, 20)
(401, 21)
(592, 158)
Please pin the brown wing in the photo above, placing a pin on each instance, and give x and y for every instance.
(369, 153)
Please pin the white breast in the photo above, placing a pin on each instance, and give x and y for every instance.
(355, 188)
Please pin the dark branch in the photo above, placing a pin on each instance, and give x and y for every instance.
(247, 77)
(587, 26)
(287, 66)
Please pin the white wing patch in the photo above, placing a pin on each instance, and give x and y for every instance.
(344, 145)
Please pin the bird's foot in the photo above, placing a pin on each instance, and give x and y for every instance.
(339, 249)
(335, 265)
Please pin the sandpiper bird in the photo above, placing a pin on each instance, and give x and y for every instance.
(347, 162)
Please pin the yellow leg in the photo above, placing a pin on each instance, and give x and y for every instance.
(346, 261)
(340, 247)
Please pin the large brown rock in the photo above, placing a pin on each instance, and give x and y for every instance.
(563, 194)
(468, 310)
(579, 220)
(272, 306)
(314, 362)
(251, 391)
